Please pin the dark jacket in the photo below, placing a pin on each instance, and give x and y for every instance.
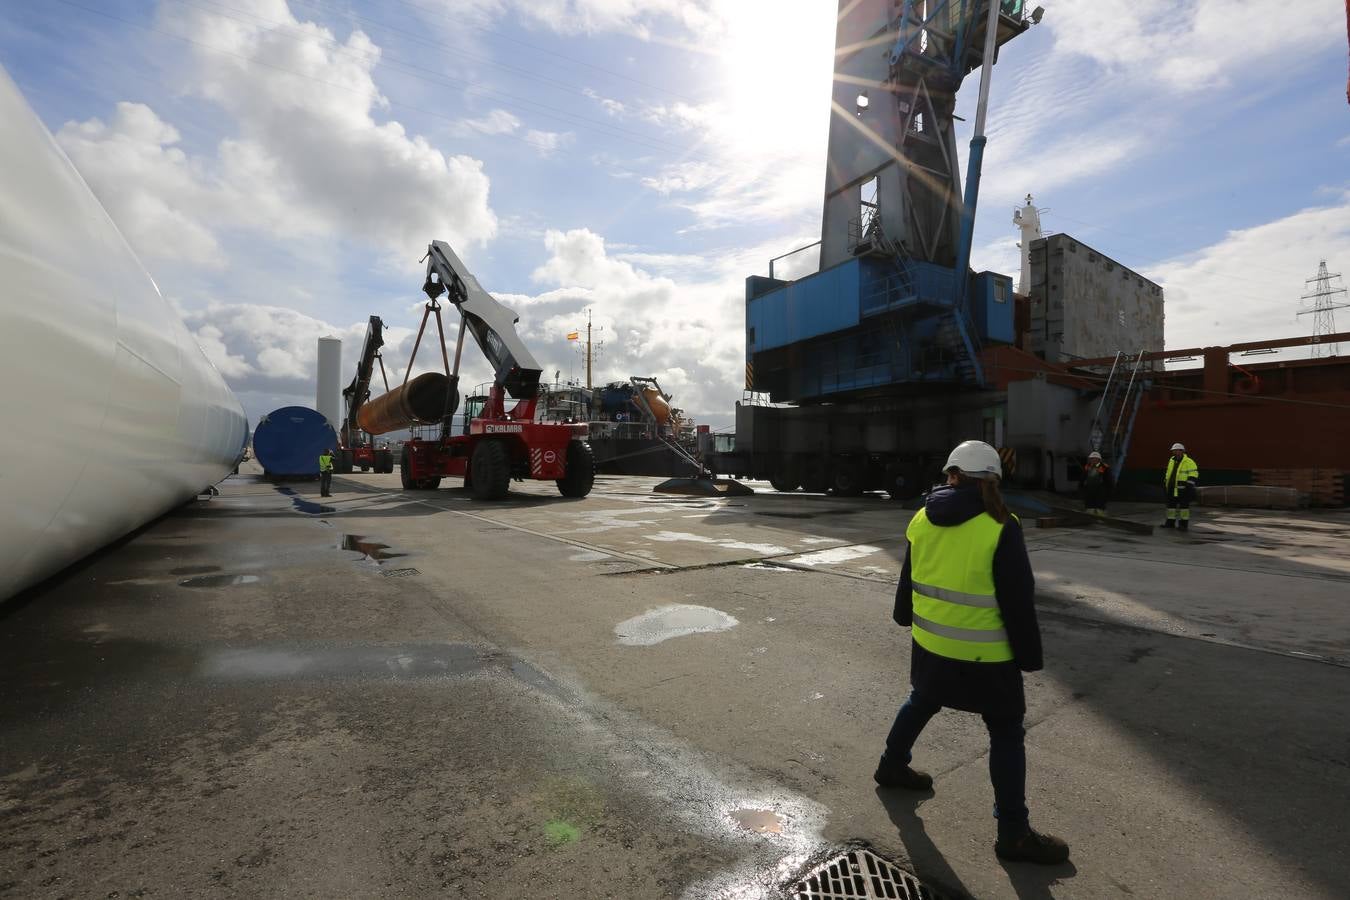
(993, 688)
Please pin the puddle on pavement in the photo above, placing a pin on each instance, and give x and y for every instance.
(194, 570)
(226, 580)
(673, 621)
(371, 550)
(796, 514)
(303, 505)
(760, 821)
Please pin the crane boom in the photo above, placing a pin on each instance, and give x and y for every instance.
(356, 394)
(492, 325)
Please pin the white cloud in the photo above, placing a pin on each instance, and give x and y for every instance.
(608, 104)
(640, 18)
(309, 157)
(1247, 286)
(546, 143)
(498, 121)
(151, 188)
(1194, 45)
(688, 333)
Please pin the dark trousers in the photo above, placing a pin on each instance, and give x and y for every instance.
(325, 483)
(1007, 758)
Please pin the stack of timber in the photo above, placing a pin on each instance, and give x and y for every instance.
(1324, 487)
(1252, 496)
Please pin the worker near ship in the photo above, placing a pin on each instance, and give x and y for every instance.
(326, 472)
(1179, 485)
(967, 594)
(1096, 484)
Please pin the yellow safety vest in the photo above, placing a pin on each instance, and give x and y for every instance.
(955, 611)
(1187, 471)
(325, 462)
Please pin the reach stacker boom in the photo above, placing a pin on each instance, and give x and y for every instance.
(356, 447)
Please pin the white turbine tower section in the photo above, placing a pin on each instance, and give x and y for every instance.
(112, 414)
(328, 399)
(1028, 221)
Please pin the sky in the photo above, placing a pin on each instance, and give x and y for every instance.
(281, 165)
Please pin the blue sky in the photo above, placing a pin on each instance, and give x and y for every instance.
(280, 166)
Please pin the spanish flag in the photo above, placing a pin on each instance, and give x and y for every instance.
(573, 336)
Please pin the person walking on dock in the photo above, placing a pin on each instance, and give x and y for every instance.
(967, 594)
(326, 473)
(1179, 485)
(1096, 485)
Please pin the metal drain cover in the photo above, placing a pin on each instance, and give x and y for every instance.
(860, 874)
(399, 573)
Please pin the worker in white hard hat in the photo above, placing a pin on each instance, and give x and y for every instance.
(967, 594)
(1096, 484)
(1179, 486)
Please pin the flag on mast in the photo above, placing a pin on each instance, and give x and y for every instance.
(573, 336)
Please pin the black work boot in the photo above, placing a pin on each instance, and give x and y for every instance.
(1033, 847)
(902, 777)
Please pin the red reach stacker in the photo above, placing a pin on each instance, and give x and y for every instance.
(494, 444)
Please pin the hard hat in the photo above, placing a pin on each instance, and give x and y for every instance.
(1178, 447)
(1094, 455)
(975, 459)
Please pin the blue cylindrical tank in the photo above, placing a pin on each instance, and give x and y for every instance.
(288, 441)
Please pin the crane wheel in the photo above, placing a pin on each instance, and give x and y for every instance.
(405, 471)
(847, 479)
(491, 470)
(783, 485)
(579, 476)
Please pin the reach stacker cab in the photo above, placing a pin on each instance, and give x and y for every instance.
(495, 444)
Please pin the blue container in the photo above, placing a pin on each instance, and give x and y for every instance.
(288, 441)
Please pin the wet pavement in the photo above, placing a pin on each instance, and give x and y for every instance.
(639, 695)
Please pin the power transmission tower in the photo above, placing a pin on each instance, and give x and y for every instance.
(1323, 309)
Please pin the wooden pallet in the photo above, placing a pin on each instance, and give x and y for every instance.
(1324, 487)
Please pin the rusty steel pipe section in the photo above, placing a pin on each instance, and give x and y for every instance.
(424, 400)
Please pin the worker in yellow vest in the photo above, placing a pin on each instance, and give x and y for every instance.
(1179, 484)
(325, 473)
(967, 594)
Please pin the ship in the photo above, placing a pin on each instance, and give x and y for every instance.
(634, 429)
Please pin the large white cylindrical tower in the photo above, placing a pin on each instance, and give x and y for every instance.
(328, 399)
(112, 413)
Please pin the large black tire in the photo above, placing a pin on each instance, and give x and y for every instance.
(783, 485)
(403, 468)
(342, 462)
(579, 476)
(384, 461)
(847, 479)
(903, 481)
(491, 469)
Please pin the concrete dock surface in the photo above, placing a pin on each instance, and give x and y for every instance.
(410, 693)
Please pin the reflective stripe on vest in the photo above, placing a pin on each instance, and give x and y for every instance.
(956, 613)
(325, 463)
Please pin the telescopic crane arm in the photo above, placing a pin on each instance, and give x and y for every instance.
(357, 393)
(492, 325)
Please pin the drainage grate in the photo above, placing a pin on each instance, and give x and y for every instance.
(399, 573)
(860, 874)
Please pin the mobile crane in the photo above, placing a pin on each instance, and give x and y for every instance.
(356, 447)
(495, 444)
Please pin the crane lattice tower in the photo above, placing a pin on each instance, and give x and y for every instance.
(1324, 309)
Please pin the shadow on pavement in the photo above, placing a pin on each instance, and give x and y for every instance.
(928, 862)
